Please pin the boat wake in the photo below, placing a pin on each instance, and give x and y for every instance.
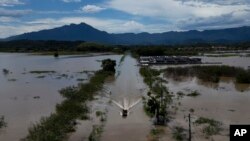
(126, 106)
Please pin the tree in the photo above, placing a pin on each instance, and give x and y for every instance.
(108, 65)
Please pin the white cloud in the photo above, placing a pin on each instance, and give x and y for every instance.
(221, 2)
(10, 2)
(68, 1)
(13, 13)
(7, 19)
(91, 9)
(235, 19)
(174, 12)
(173, 9)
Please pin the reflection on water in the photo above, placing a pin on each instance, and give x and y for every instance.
(24, 101)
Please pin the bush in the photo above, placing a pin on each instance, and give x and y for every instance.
(178, 134)
(212, 128)
(2, 122)
(108, 65)
(243, 77)
(194, 94)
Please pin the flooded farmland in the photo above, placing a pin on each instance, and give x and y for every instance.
(226, 101)
(29, 91)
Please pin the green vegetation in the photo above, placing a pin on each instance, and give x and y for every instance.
(58, 47)
(42, 72)
(58, 125)
(191, 110)
(79, 47)
(80, 79)
(99, 113)
(212, 127)
(211, 73)
(6, 72)
(158, 97)
(194, 94)
(108, 65)
(178, 134)
(2, 122)
(96, 133)
(56, 54)
(155, 133)
(122, 59)
(149, 75)
(12, 80)
(41, 76)
(180, 94)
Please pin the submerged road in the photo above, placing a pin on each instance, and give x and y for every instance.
(128, 85)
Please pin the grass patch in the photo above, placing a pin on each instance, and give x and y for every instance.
(178, 134)
(212, 127)
(155, 133)
(96, 133)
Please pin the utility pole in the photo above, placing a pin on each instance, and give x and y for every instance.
(189, 119)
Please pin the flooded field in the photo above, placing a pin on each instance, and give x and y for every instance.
(28, 92)
(226, 101)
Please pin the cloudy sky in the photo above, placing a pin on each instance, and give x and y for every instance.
(120, 16)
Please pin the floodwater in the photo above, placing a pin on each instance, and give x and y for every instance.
(226, 101)
(128, 85)
(26, 97)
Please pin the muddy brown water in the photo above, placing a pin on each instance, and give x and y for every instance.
(17, 98)
(224, 101)
(129, 84)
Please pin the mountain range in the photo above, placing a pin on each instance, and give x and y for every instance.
(85, 32)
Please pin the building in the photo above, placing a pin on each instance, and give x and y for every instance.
(168, 60)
